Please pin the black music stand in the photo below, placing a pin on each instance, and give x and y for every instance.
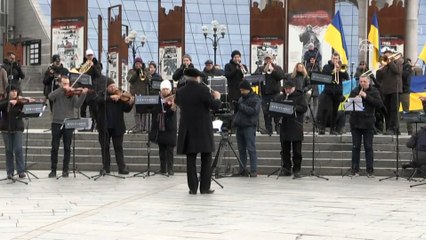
(76, 124)
(31, 110)
(145, 104)
(281, 109)
(353, 105)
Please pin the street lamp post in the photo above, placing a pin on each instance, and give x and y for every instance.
(131, 42)
(215, 40)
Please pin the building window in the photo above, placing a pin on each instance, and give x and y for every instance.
(33, 53)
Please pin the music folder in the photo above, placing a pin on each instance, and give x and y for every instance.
(85, 79)
(354, 105)
(145, 103)
(285, 108)
(319, 78)
(33, 110)
(77, 123)
(254, 79)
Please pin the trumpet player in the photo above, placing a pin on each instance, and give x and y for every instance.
(178, 75)
(52, 77)
(332, 95)
(270, 89)
(391, 79)
(362, 124)
(234, 73)
(139, 85)
(164, 127)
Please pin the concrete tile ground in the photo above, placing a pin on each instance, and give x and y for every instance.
(247, 208)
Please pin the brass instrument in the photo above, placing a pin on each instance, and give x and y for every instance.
(385, 60)
(243, 69)
(344, 68)
(268, 69)
(85, 67)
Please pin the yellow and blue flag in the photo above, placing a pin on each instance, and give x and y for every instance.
(417, 89)
(374, 39)
(335, 36)
(422, 55)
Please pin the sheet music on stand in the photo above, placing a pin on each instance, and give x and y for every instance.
(33, 110)
(354, 105)
(285, 108)
(77, 123)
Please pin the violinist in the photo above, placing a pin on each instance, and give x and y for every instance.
(52, 77)
(112, 104)
(12, 127)
(164, 127)
(64, 104)
(362, 124)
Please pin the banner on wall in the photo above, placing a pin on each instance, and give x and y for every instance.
(113, 65)
(68, 41)
(260, 46)
(303, 29)
(170, 59)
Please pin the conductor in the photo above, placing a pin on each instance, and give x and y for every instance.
(195, 128)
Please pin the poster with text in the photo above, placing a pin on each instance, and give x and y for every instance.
(68, 41)
(113, 65)
(170, 60)
(261, 46)
(307, 28)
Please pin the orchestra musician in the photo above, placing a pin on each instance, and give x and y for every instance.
(195, 129)
(64, 103)
(13, 69)
(362, 124)
(332, 95)
(178, 74)
(112, 104)
(138, 78)
(164, 127)
(234, 73)
(12, 127)
(291, 131)
(52, 77)
(270, 89)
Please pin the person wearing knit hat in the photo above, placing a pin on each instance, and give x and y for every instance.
(234, 73)
(139, 85)
(52, 77)
(164, 127)
(245, 122)
(178, 74)
(111, 124)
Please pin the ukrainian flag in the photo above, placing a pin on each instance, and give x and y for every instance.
(335, 36)
(422, 55)
(374, 39)
(417, 88)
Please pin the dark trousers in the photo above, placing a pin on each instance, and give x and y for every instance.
(205, 174)
(166, 158)
(357, 136)
(286, 147)
(93, 108)
(117, 141)
(391, 103)
(328, 107)
(66, 134)
(266, 99)
(246, 139)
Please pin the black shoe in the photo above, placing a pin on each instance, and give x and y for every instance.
(22, 175)
(210, 191)
(102, 172)
(192, 192)
(285, 173)
(171, 173)
(123, 171)
(354, 173)
(370, 174)
(321, 132)
(296, 175)
(10, 176)
(65, 174)
(52, 174)
(253, 174)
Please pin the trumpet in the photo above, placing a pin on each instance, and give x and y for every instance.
(387, 59)
(268, 69)
(243, 69)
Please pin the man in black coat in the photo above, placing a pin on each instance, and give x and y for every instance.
(234, 73)
(270, 89)
(291, 134)
(245, 122)
(13, 69)
(362, 124)
(164, 127)
(52, 77)
(407, 73)
(195, 128)
(111, 125)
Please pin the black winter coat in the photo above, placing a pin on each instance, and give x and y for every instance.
(10, 121)
(272, 84)
(333, 88)
(195, 126)
(178, 75)
(110, 115)
(247, 112)
(292, 126)
(391, 77)
(13, 69)
(407, 73)
(234, 76)
(302, 84)
(366, 119)
(168, 136)
(51, 77)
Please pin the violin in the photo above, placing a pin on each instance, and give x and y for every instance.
(25, 100)
(71, 92)
(123, 96)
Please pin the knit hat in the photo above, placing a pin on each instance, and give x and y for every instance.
(56, 58)
(288, 84)
(139, 60)
(208, 62)
(235, 52)
(110, 81)
(187, 56)
(245, 85)
(166, 84)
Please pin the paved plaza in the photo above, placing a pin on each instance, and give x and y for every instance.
(160, 207)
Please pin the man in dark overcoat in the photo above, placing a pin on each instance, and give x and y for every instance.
(291, 135)
(195, 128)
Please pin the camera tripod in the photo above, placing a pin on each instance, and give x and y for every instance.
(225, 142)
